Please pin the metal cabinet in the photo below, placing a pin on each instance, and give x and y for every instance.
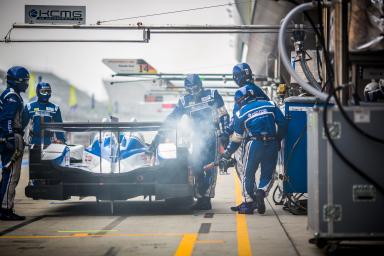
(343, 205)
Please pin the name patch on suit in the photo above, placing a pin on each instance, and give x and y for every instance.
(200, 106)
(206, 98)
(258, 113)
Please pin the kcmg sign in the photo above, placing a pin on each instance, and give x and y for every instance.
(57, 14)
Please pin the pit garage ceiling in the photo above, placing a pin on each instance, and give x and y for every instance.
(262, 45)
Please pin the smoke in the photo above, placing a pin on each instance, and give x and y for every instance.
(184, 132)
(200, 139)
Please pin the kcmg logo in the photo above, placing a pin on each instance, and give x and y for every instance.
(54, 14)
(33, 13)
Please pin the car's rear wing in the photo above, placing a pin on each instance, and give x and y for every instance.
(101, 126)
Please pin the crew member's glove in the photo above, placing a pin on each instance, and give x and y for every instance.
(224, 139)
(13, 144)
(224, 162)
(226, 155)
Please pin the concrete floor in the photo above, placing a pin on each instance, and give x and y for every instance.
(138, 227)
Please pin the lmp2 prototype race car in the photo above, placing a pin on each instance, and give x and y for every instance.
(117, 165)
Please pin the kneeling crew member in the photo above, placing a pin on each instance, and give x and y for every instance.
(40, 111)
(262, 144)
(11, 139)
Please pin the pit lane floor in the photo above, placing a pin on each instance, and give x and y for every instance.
(140, 227)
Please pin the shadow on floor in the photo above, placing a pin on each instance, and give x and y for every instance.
(120, 208)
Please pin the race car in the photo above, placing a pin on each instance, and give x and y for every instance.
(117, 165)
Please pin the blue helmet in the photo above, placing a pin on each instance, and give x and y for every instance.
(18, 78)
(242, 96)
(242, 73)
(43, 91)
(193, 84)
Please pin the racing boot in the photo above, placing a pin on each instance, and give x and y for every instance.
(260, 195)
(203, 203)
(237, 207)
(9, 214)
(245, 208)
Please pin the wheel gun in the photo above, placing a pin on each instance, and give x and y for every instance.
(223, 165)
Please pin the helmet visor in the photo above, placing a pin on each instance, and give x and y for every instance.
(45, 91)
(237, 77)
(23, 80)
(195, 89)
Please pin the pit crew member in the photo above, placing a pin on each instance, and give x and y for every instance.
(259, 118)
(42, 110)
(206, 109)
(11, 139)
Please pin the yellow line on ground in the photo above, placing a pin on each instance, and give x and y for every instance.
(237, 189)
(82, 235)
(86, 231)
(186, 245)
(243, 243)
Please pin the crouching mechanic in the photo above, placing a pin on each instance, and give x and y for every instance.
(40, 111)
(11, 139)
(205, 108)
(261, 145)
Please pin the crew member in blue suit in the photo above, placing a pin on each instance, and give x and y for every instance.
(262, 143)
(42, 110)
(242, 75)
(208, 114)
(11, 139)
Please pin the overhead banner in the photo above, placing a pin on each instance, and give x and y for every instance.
(129, 66)
(54, 14)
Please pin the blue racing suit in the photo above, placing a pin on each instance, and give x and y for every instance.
(207, 113)
(12, 146)
(255, 92)
(39, 112)
(258, 120)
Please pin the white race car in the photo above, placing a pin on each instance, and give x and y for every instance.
(116, 167)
